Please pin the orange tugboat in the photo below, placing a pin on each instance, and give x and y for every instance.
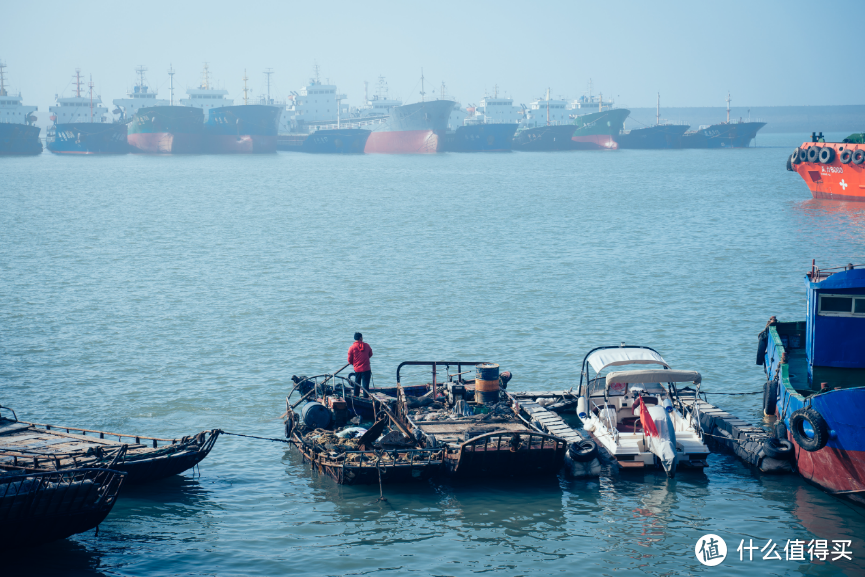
(832, 170)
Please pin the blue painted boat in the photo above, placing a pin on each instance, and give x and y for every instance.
(480, 138)
(329, 141)
(815, 373)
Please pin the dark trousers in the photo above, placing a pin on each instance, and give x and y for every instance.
(363, 379)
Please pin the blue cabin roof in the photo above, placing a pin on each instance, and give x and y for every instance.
(835, 334)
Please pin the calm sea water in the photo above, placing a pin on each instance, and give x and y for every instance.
(166, 295)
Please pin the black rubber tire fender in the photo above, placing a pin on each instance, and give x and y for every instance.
(846, 156)
(790, 162)
(827, 155)
(803, 155)
(770, 397)
(813, 153)
(781, 430)
(859, 156)
(795, 158)
(777, 448)
(584, 451)
(818, 424)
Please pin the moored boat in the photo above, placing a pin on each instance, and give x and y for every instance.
(417, 128)
(325, 141)
(722, 135)
(598, 130)
(832, 170)
(18, 133)
(660, 136)
(242, 129)
(815, 380)
(631, 413)
(37, 508)
(33, 447)
(167, 130)
(480, 137)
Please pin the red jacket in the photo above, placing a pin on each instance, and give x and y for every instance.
(359, 354)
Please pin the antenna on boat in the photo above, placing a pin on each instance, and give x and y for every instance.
(601, 102)
(245, 97)
(206, 84)
(728, 108)
(443, 90)
(141, 70)
(2, 79)
(91, 97)
(315, 68)
(365, 91)
(171, 84)
(422, 93)
(268, 72)
(658, 114)
(78, 83)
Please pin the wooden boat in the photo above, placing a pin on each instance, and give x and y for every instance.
(632, 415)
(482, 435)
(37, 508)
(34, 447)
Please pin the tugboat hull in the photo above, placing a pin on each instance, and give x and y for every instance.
(833, 180)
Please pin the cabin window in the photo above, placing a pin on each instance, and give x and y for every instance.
(841, 306)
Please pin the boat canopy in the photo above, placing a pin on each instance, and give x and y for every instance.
(604, 358)
(653, 376)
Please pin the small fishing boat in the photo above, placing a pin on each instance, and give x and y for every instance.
(34, 447)
(318, 426)
(482, 433)
(815, 380)
(632, 415)
(37, 508)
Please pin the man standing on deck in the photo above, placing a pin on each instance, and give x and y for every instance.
(359, 354)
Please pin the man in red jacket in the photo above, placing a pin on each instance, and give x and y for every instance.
(359, 354)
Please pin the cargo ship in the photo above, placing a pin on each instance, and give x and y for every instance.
(547, 127)
(832, 170)
(722, 135)
(474, 130)
(327, 141)
(138, 97)
(815, 381)
(18, 135)
(162, 127)
(417, 128)
(660, 136)
(80, 126)
(599, 130)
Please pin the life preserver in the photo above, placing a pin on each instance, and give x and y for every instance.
(777, 448)
(813, 153)
(818, 425)
(584, 451)
(846, 156)
(827, 154)
(859, 156)
(770, 397)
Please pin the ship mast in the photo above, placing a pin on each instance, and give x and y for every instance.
(245, 97)
(728, 108)
(422, 93)
(171, 84)
(78, 83)
(206, 84)
(548, 106)
(140, 70)
(2, 79)
(601, 102)
(268, 72)
(91, 97)
(658, 113)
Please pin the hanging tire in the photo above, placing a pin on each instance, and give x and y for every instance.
(846, 156)
(794, 158)
(803, 155)
(818, 425)
(781, 431)
(770, 397)
(790, 162)
(777, 449)
(859, 156)
(827, 155)
(813, 153)
(584, 451)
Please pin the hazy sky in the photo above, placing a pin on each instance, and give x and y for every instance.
(765, 53)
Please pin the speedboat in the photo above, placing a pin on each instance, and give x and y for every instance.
(636, 414)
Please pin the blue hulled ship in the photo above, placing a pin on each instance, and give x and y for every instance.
(327, 141)
(80, 126)
(815, 381)
(18, 135)
(480, 138)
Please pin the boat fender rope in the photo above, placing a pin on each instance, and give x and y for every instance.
(277, 440)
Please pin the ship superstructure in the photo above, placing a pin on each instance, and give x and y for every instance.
(18, 135)
(597, 122)
(139, 97)
(547, 112)
(380, 104)
(497, 110)
(206, 97)
(479, 132)
(81, 127)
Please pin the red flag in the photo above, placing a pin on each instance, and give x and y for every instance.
(646, 419)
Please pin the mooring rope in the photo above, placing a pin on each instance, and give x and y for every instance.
(275, 439)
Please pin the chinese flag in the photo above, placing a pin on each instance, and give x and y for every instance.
(649, 427)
